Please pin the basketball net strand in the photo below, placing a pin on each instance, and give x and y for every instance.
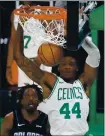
(42, 30)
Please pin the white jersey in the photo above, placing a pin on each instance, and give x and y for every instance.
(30, 51)
(67, 108)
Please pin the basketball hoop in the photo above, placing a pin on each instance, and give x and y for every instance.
(44, 23)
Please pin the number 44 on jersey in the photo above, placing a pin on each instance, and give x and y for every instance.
(67, 111)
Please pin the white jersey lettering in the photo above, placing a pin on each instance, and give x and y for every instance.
(67, 108)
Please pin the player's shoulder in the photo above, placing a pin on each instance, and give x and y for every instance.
(8, 120)
(60, 80)
(43, 115)
(9, 116)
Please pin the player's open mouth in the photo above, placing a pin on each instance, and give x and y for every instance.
(31, 105)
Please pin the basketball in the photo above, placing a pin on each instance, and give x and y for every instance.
(50, 54)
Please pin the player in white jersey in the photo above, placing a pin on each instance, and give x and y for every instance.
(66, 103)
(30, 51)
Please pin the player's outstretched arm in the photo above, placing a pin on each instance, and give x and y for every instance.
(10, 56)
(92, 62)
(30, 68)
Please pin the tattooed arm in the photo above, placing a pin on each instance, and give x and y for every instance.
(30, 68)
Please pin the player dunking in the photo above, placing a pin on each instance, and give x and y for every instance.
(66, 103)
(30, 51)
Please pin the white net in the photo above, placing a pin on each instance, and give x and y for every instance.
(44, 30)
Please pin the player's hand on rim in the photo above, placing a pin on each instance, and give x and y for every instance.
(26, 8)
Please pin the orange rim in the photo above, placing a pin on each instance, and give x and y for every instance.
(55, 16)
